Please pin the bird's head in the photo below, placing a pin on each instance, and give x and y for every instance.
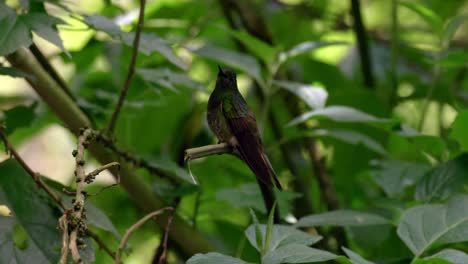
(226, 78)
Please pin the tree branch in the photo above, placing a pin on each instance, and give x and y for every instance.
(361, 37)
(131, 69)
(208, 150)
(134, 227)
(74, 119)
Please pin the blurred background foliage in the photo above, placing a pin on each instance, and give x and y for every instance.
(380, 134)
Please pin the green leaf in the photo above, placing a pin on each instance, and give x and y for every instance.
(32, 208)
(172, 169)
(169, 79)
(269, 230)
(393, 176)
(351, 137)
(451, 28)
(355, 258)
(248, 64)
(431, 261)
(214, 258)
(338, 114)
(306, 47)
(258, 233)
(422, 226)
(10, 253)
(281, 235)
(96, 217)
(431, 17)
(15, 30)
(451, 255)
(313, 96)
(342, 218)
(18, 117)
(45, 26)
(296, 253)
(149, 42)
(259, 48)
(444, 180)
(460, 129)
(245, 196)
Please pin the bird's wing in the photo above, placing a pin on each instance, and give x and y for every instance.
(243, 126)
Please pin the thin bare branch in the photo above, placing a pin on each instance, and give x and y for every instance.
(100, 243)
(133, 228)
(131, 69)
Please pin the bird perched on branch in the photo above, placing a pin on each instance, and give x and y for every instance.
(231, 120)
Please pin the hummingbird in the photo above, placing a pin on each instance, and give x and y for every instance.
(232, 121)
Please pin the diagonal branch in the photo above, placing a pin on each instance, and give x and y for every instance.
(131, 69)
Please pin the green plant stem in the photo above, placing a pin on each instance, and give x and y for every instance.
(187, 239)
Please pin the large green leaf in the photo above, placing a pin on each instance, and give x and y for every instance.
(297, 253)
(342, 218)
(444, 180)
(351, 137)
(32, 208)
(460, 129)
(313, 96)
(248, 64)
(393, 176)
(422, 226)
(281, 236)
(10, 253)
(339, 114)
(452, 255)
(214, 258)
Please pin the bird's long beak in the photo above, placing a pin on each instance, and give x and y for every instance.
(220, 70)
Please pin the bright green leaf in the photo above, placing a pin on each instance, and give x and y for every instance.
(422, 226)
(460, 129)
(342, 218)
(245, 196)
(19, 116)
